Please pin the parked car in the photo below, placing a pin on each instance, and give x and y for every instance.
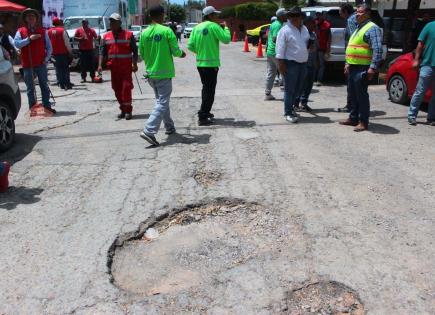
(255, 34)
(10, 102)
(401, 80)
(136, 30)
(188, 29)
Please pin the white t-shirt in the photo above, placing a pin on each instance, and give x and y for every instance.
(291, 43)
(179, 28)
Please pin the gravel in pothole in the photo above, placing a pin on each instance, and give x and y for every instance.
(207, 178)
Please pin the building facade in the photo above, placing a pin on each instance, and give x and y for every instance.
(219, 4)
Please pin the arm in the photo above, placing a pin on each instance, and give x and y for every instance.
(173, 45)
(280, 51)
(328, 43)
(374, 39)
(48, 48)
(191, 45)
(19, 42)
(133, 48)
(102, 55)
(67, 43)
(223, 35)
(11, 41)
(142, 46)
(418, 53)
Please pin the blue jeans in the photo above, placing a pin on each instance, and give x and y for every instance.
(307, 86)
(425, 79)
(62, 69)
(359, 95)
(321, 68)
(41, 73)
(162, 90)
(293, 80)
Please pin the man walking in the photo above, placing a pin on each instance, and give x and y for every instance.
(86, 36)
(363, 58)
(35, 53)
(272, 64)
(157, 46)
(324, 37)
(204, 42)
(7, 42)
(347, 14)
(120, 49)
(62, 53)
(292, 55)
(425, 59)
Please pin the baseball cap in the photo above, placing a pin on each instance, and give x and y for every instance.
(295, 11)
(210, 10)
(55, 20)
(115, 16)
(281, 12)
(273, 18)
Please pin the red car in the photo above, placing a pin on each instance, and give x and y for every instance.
(402, 80)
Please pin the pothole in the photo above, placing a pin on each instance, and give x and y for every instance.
(324, 298)
(207, 178)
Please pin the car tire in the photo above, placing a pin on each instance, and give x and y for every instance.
(397, 89)
(7, 127)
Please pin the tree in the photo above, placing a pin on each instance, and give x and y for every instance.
(177, 13)
(195, 4)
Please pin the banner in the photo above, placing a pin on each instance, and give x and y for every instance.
(51, 9)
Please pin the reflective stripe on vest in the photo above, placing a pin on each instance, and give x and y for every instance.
(118, 49)
(358, 52)
(119, 56)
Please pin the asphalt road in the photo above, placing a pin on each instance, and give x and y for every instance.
(266, 207)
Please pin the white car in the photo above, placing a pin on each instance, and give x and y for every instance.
(136, 30)
(188, 29)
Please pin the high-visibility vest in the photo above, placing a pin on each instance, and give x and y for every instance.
(33, 55)
(57, 42)
(358, 52)
(119, 50)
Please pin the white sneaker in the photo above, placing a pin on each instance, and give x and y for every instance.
(292, 119)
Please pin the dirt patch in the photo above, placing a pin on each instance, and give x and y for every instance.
(207, 178)
(324, 298)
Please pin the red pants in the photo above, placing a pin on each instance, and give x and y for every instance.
(122, 84)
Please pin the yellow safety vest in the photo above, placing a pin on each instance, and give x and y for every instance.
(358, 52)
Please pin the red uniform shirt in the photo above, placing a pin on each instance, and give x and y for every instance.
(33, 55)
(323, 34)
(57, 41)
(87, 43)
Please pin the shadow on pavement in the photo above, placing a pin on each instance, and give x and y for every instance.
(177, 138)
(140, 116)
(315, 119)
(376, 113)
(19, 196)
(383, 129)
(234, 123)
(23, 145)
(65, 113)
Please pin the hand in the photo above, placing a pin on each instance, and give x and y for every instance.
(183, 55)
(370, 74)
(224, 24)
(134, 67)
(35, 36)
(346, 69)
(415, 64)
(282, 68)
(327, 54)
(100, 69)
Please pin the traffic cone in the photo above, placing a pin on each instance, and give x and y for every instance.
(260, 49)
(234, 37)
(246, 48)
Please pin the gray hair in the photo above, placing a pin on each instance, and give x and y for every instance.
(367, 9)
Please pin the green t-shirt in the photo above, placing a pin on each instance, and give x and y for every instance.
(157, 46)
(204, 42)
(427, 36)
(274, 29)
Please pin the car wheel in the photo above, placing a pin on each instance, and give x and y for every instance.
(397, 90)
(7, 127)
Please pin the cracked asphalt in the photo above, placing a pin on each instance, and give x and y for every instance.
(339, 206)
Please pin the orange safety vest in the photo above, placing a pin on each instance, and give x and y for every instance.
(118, 49)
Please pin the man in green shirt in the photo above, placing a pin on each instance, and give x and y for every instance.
(204, 42)
(272, 63)
(157, 47)
(425, 58)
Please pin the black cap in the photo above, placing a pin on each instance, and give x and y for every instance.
(295, 11)
(29, 11)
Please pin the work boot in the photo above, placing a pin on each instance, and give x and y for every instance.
(121, 115)
(4, 180)
(348, 122)
(361, 127)
(306, 108)
(128, 116)
(205, 122)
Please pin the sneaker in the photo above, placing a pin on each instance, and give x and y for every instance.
(121, 115)
(269, 97)
(412, 121)
(306, 108)
(292, 118)
(344, 109)
(150, 138)
(205, 122)
(128, 116)
(170, 131)
(4, 180)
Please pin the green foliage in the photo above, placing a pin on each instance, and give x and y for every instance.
(195, 4)
(255, 10)
(177, 13)
(228, 12)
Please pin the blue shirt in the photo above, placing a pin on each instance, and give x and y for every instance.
(351, 26)
(22, 42)
(427, 37)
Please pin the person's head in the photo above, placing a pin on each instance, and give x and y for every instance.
(295, 16)
(346, 10)
(30, 17)
(56, 21)
(211, 14)
(281, 15)
(157, 13)
(320, 16)
(363, 13)
(310, 24)
(115, 21)
(85, 23)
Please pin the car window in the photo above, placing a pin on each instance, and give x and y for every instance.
(74, 23)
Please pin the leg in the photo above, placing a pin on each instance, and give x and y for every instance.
(126, 88)
(92, 66)
(271, 71)
(352, 88)
(209, 81)
(83, 64)
(30, 85)
(321, 69)
(42, 74)
(290, 87)
(163, 90)
(363, 96)
(308, 85)
(431, 106)
(116, 85)
(56, 67)
(424, 80)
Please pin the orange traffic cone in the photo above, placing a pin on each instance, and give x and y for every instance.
(260, 49)
(234, 37)
(246, 48)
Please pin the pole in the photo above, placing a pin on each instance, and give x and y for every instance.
(138, 84)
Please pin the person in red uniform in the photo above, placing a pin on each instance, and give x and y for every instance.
(324, 36)
(86, 36)
(62, 53)
(120, 49)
